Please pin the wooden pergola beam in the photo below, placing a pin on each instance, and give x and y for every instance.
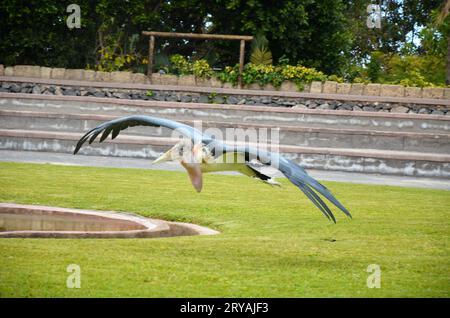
(154, 34)
(198, 36)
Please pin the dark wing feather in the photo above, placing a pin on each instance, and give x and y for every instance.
(296, 174)
(117, 125)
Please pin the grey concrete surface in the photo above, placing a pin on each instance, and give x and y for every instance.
(99, 161)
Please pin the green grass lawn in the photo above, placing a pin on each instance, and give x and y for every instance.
(273, 242)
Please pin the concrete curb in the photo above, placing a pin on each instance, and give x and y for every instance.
(129, 225)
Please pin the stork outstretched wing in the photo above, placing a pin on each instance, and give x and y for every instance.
(293, 172)
(119, 124)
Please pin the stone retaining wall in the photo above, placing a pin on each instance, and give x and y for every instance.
(234, 99)
(327, 87)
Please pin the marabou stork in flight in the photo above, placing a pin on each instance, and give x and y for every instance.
(200, 153)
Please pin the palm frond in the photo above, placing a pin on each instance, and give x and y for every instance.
(261, 57)
(261, 54)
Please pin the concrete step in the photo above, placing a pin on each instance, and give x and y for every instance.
(277, 116)
(288, 135)
(357, 160)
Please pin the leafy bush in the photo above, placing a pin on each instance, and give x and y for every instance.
(269, 74)
(301, 74)
(117, 51)
(229, 75)
(180, 65)
(336, 78)
(201, 68)
(414, 79)
(262, 75)
(407, 70)
(110, 62)
(410, 70)
(362, 80)
(413, 70)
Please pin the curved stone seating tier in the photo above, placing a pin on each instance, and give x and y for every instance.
(33, 221)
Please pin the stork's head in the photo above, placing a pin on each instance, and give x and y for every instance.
(190, 156)
(184, 151)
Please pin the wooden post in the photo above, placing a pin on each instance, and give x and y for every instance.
(447, 81)
(153, 34)
(241, 62)
(151, 48)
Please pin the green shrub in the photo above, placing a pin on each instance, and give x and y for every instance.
(269, 74)
(375, 66)
(336, 78)
(301, 74)
(109, 61)
(180, 65)
(262, 75)
(407, 70)
(229, 75)
(361, 80)
(201, 68)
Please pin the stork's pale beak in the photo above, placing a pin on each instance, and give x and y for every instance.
(193, 168)
(167, 156)
(190, 161)
(195, 174)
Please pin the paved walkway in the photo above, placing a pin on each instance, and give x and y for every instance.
(97, 161)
